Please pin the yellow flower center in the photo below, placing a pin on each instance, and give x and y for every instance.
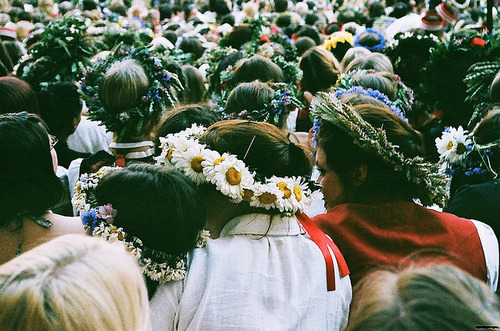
(169, 154)
(233, 176)
(461, 148)
(120, 236)
(247, 195)
(298, 193)
(113, 230)
(196, 163)
(219, 160)
(286, 190)
(449, 146)
(267, 198)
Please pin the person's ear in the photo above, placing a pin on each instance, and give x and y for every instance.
(359, 175)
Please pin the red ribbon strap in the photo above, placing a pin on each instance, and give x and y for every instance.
(323, 242)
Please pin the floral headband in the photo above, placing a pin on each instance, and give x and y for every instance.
(374, 48)
(404, 94)
(182, 151)
(374, 94)
(282, 104)
(458, 149)
(160, 95)
(338, 37)
(98, 222)
(429, 183)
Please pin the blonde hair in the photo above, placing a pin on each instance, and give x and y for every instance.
(435, 297)
(73, 283)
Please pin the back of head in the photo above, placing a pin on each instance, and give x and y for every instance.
(158, 206)
(28, 184)
(257, 143)
(123, 85)
(303, 44)
(239, 36)
(192, 46)
(380, 81)
(194, 89)
(60, 106)
(257, 68)
(248, 96)
(320, 70)
(280, 6)
(373, 61)
(184, 117)
(73, 283)
(437, 297)
(351, 54)
(488, 131)
(16, 95)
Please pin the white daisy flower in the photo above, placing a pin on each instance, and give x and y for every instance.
(190, 163)
(268, 196)
(452, 146)
(295, 193)
(211, 164)
(194, 131)
(172, 149)
(232, 177)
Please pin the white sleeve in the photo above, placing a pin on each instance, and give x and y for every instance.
(490, 249)
(73, 176)
(164, 306)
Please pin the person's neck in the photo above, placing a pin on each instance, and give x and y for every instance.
(219, 211)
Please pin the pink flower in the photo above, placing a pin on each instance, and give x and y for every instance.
(107, 213)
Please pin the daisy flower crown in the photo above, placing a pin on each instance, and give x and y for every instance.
(429, 183)
(283, 102)
(160, 95)
(98, 222)
(460, 153)
(230, 176)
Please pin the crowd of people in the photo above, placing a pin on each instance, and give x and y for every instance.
(249, 165)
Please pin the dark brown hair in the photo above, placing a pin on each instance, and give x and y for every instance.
(343, 155)
(257, 68)
(262, 146)
(320, 70)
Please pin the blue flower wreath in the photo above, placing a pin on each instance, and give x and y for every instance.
(374, 48)
(374, 94)
(281, 105)
(160, 95)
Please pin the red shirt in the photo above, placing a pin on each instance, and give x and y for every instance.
(373, 236)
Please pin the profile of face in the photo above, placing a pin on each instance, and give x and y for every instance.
(331, 185)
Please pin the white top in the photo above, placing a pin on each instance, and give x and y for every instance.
(254, 277)
(90, 137)
(490, 249)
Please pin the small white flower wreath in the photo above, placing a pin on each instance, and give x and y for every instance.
(98, 221)
(183, 151)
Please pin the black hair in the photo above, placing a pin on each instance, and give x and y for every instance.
(303, 44)
(228, 18)
(159, 206)
(165, 10)
(28, 184)
(16, 95)
(284, 20)
(280, 6)
(307, 31)
(310, 18)
(192, 46)
(60, 104)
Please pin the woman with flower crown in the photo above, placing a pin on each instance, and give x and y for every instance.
(265, 265)
(371, 171)
(130, 92)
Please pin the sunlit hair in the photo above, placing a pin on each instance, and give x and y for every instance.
(436, 297)
(374, 61)
(73, 283)
(320, 70)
